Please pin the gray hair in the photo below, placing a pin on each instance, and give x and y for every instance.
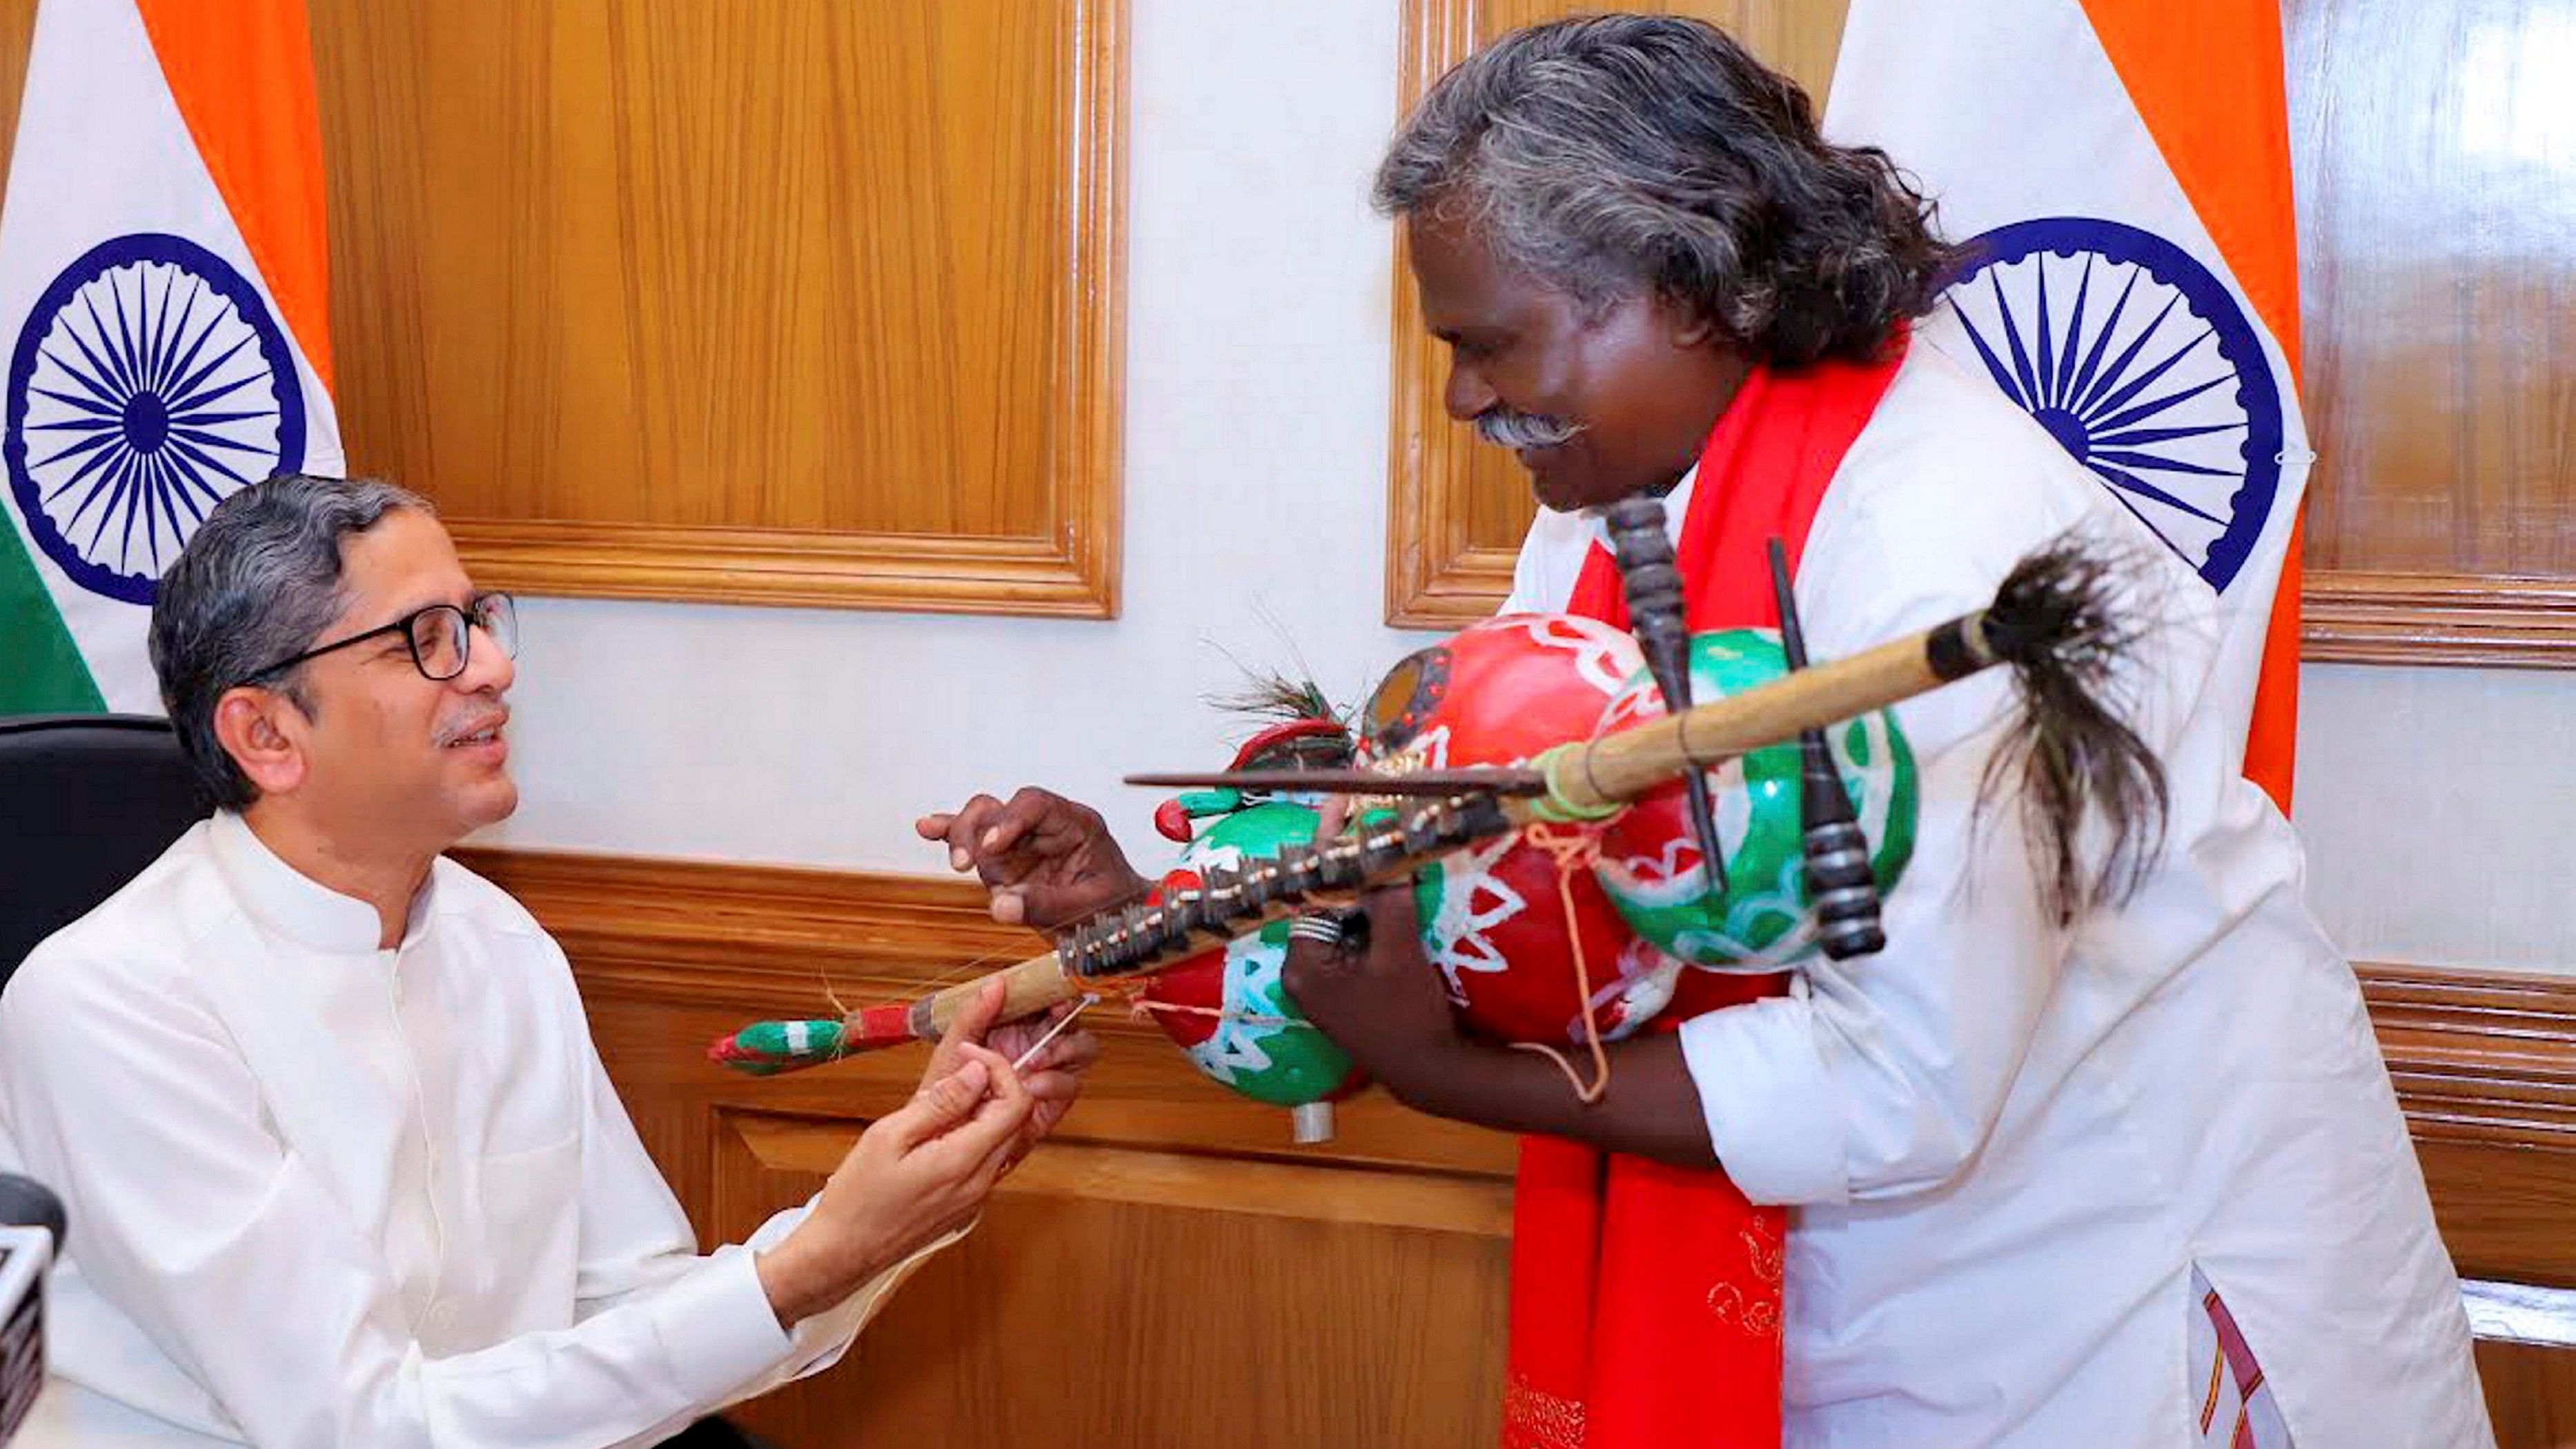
(257, 582)
(1626, 155)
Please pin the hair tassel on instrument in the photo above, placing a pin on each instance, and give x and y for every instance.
(2060, 624)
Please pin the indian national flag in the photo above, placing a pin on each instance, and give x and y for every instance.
(163, 310)
(2121, 169)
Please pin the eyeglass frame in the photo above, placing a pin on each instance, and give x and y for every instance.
(411, 642)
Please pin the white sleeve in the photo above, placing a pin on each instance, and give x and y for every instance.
(228, 1250)
(1550, 560)
(1885, 1075)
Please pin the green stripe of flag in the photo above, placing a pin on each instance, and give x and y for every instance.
(41, 671)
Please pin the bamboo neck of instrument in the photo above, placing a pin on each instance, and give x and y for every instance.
(1027, 989)
(1591, 780)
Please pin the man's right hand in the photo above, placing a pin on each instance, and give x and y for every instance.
(915, 1174)
(1048, 860)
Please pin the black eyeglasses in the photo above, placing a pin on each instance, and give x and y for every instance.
(441, 636)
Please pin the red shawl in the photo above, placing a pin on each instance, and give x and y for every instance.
(1646, 1298)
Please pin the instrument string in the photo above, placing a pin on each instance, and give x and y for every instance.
(1089, 1000)
(1573, 849)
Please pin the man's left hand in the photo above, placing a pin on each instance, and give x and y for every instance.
(1385, 1003)
(1052, 1078)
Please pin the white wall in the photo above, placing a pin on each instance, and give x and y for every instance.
(2439, 810)
(2440, 805)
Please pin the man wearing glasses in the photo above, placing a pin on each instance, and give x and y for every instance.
(323, 1104)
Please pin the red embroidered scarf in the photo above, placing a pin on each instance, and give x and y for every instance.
(1646, 1298)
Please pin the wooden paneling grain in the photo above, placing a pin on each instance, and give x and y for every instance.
(2358, 617)
(2436, 149)
(2485, 1067)
(1117, 1296)
(798, 302)
(2531, 1394)
(1169, 1258)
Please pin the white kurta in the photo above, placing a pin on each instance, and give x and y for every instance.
(325, 1196)
(2007, 1145)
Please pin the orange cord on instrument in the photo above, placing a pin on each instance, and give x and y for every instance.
(1139, 1008)
(1573, 848)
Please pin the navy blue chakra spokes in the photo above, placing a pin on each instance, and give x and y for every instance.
(2141, 364)
(149, 382)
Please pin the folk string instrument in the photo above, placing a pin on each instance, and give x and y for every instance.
(2082, 776)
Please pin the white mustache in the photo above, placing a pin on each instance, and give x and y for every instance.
(1505, 428)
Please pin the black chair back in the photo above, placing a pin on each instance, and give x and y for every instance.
(86, 801)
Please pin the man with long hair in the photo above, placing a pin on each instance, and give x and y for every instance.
(1992, 1185)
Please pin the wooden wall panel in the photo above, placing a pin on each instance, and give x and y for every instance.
(794, 302)
(2436, 160)
(1174, 1253)
(2438, 226)
(1119, 1296)
(1170, 1270)
(2531, 1394)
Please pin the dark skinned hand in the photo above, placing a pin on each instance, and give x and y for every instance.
(1048, 861)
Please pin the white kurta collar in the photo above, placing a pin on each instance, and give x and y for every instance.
(295, 905)
(1676, 508)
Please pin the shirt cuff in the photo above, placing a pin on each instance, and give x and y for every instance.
(717, 1329)
(873, 1293)
(1774, 1112)
(821, 1339)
